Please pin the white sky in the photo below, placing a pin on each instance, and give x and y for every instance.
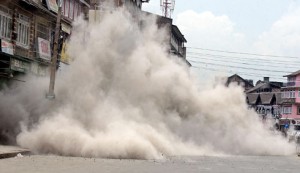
(255, 26)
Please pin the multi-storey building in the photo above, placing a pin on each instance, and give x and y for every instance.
(265, 98)
(27, 34)
(175, 37)
(290, 98)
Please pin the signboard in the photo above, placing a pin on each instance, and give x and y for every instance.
(52, 5)
(7, 47)
(65, 58)
(44, 49)
(66, 28)
(18, 65)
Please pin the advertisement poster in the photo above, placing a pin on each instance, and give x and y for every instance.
(44, 49)
(7, 47)
(52, 5)
(64, 56)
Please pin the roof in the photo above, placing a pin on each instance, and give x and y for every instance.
(266, 98)
(293, 74)
(263, 85)
(178, 33)
(278, 97)
(252, 98)
(236, 75)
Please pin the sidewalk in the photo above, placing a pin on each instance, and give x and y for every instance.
(11, 151)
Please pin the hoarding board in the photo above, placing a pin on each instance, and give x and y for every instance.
(7, 47)
(44, 49)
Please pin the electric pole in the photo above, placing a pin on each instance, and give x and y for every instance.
(167, 7)
(50, 94)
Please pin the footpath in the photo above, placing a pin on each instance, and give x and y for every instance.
(12, 151)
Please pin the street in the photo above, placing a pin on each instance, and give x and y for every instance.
(203, 164)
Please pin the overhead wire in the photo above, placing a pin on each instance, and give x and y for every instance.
(246, 68)
(244, 53)
(197, 58)
(244, 58)
(237, 72)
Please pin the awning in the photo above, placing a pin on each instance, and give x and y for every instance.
(85, 3)
(66, 28)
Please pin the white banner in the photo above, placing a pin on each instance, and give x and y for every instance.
(44, 49)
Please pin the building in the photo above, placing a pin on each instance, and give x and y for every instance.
(290, 99)
(265, 98)
(246, 84)
(97, 6)
(27, 34)
(176, 38)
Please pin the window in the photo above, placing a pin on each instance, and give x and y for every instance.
(66, 11)
(283, 95)
(23, 30)
(299, 93)
(287, 110)
(5, 23)
(292, 94)
(71, 9)
(298, 110)
(43, 31)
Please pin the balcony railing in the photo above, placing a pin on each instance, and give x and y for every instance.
(292, 84)
(288, 100)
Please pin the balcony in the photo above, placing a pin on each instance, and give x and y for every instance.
(291, 84)
(288, 101)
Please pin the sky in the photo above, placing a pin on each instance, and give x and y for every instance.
(260, 27)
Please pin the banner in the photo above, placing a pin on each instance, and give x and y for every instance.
(65, 58)
(18, 65)
(52, 5)
(7, 47)
(44, 49)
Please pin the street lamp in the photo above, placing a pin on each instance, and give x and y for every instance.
(50, 94)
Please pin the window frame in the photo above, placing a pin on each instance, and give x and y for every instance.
(5, 31)
(23, 31)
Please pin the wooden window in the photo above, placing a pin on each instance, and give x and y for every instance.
(43, 31)
(23, 31)
(5, 23)
(71, 13)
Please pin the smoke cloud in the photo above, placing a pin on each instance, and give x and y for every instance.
(124, 96)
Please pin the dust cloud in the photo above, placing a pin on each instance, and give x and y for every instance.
(124, 96)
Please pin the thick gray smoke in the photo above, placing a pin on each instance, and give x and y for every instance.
(123, 96)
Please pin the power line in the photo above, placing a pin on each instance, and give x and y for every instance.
(236, 72)
(243, 53)
(244, 58)
(246, 68)
(241, 62)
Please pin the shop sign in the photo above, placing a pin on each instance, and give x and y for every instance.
(66, 28)
(18, 65)
(7, 47)
(44, 49)
(52, 5)
(65, 58)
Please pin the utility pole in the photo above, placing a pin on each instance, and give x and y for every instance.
(167, 7)
(50, 94)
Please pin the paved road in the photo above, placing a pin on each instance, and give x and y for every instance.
(241, 164)
(11, 151)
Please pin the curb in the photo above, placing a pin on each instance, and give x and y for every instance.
(13, 154)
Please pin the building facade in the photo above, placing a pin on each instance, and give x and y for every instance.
(246, 84)
(176, 38)
(265, 98)
(27, 34)
(290, 98)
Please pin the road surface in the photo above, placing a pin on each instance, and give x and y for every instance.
(233, 164)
